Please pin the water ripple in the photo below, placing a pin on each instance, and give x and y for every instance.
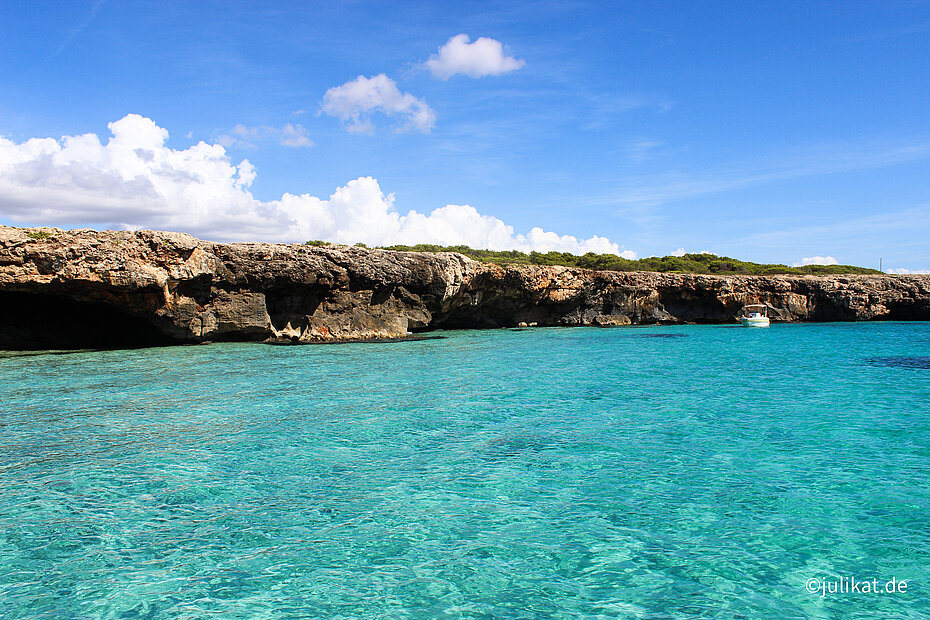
(538, 473)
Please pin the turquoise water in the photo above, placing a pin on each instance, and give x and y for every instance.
(658, 472)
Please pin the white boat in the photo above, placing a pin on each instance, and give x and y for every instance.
(754, 315)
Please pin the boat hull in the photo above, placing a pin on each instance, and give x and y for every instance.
(755, 321)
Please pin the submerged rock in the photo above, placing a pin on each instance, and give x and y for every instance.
(116, 288)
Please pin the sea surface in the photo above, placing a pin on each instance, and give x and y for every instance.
(640, 472)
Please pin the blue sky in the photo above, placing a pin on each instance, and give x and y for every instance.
(769, 131)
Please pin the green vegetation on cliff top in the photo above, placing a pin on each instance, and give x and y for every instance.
(689, 263)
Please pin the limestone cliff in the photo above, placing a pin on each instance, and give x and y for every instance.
(61, 289)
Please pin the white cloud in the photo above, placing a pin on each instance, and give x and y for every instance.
(135, 181)
(905, 272)
(483, 57)
(360, 211)
(245, 137)
(682, 252)
(295, 135)
(355, 101)
(816, 260)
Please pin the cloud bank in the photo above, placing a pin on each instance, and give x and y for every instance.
(903, 272)
(355, 101)
(135, 181)
(483, 57)
(816, 260)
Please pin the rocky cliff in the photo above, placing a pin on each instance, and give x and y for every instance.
(82, 288)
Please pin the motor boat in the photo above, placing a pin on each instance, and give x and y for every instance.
(754, 315)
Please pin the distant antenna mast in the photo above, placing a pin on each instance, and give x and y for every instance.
(880, 265)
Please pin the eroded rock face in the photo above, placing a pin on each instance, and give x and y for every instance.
(141, 288)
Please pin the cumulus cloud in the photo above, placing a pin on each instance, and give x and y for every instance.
(246, 137)
(135, 181)
(360, 211)
(679, 252)
(816, 260)
(483, 57)
(904, 272)
(354, 102)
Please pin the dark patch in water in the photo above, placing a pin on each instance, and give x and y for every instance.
(659, 335)
(15, 354)
(509, 447)
(6, 354)
(901, 361)
(410, 339)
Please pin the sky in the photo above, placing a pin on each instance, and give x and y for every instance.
(785, 132)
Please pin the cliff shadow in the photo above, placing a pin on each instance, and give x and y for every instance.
(908, 310)
(35, 321)
(699, 305)
(293, 305)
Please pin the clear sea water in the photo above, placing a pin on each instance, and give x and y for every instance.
(654, 472)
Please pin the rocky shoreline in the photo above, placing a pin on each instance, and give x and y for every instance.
(84, 288)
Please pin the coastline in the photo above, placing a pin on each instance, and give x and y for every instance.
(120, 288)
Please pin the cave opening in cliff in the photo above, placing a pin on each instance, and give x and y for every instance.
(30, 321)
(291, 306)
